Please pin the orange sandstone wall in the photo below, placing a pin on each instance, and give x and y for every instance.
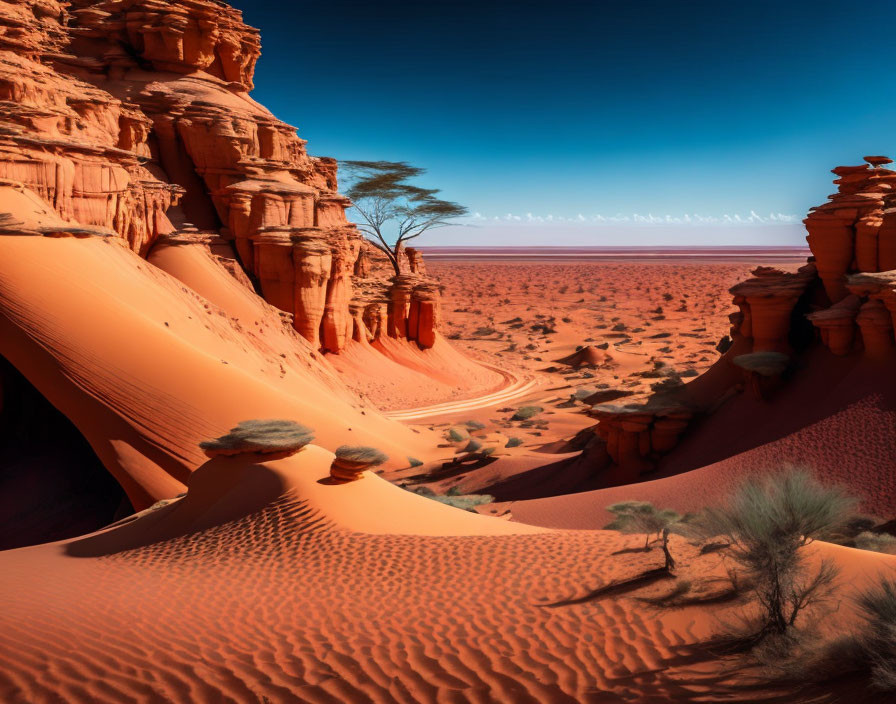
(133, 118)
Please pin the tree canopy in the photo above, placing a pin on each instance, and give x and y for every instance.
(394, 211)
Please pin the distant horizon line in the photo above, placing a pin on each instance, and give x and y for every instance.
(565, 248)
(616, 253)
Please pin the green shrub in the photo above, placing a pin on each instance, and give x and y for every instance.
(766, 523)
(414, 462)
(361, 454)
(514, 442)
(458, 435)
(527, 412)
(467, 502)
(473, 446)
(877, 642)
(265, 436)
(474, 425)
(644, 517)
(875, 542)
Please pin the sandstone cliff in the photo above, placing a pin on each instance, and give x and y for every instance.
(174, 262)
(133, 118)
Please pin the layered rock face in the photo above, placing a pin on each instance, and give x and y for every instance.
(853, 240)
(844, 298)
(132, 117)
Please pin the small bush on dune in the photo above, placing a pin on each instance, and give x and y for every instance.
(643, 517)
(414, 462)
(527, 412)
(361, 455)
(514, 442)
(266, 436)
(875, 542)
(466, 502)
(473, 446)
(767, 522)
(458, 435)
(474, 425)
(877, 642)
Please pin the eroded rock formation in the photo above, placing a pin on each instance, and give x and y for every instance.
(133, 118)
(844, 298)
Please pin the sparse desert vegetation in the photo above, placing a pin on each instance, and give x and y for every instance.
(263, 436)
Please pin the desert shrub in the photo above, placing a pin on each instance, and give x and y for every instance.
(487, 451)
(474, 425)
(877, 642)
(466, 502)
(267, 436)
(514, 442)
(876, 542)
(458, 435)
(414, 462)
(847, 533)
(527, 412)
(643, 517)
(361, 454)
(473, 446)
(767, 522)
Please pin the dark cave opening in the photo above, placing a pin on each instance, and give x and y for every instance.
(52, 484)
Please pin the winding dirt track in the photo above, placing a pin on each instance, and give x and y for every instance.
(513, 388)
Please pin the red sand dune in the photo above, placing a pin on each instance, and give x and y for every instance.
(155, 368)
(263, 583)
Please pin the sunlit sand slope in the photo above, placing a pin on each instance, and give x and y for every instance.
(268, 583)
(146, 368)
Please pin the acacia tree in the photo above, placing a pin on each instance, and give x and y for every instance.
(643, 517)
(394, 211)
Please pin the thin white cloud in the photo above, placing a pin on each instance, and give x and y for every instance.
(732, 219)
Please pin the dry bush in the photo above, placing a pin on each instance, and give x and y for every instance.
(266, 436)
(361, 455)
(635, 517)
(767, 522)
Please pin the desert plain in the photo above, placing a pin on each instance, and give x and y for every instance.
(248, 455)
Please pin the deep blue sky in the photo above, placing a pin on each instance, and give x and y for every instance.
(591, 108)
